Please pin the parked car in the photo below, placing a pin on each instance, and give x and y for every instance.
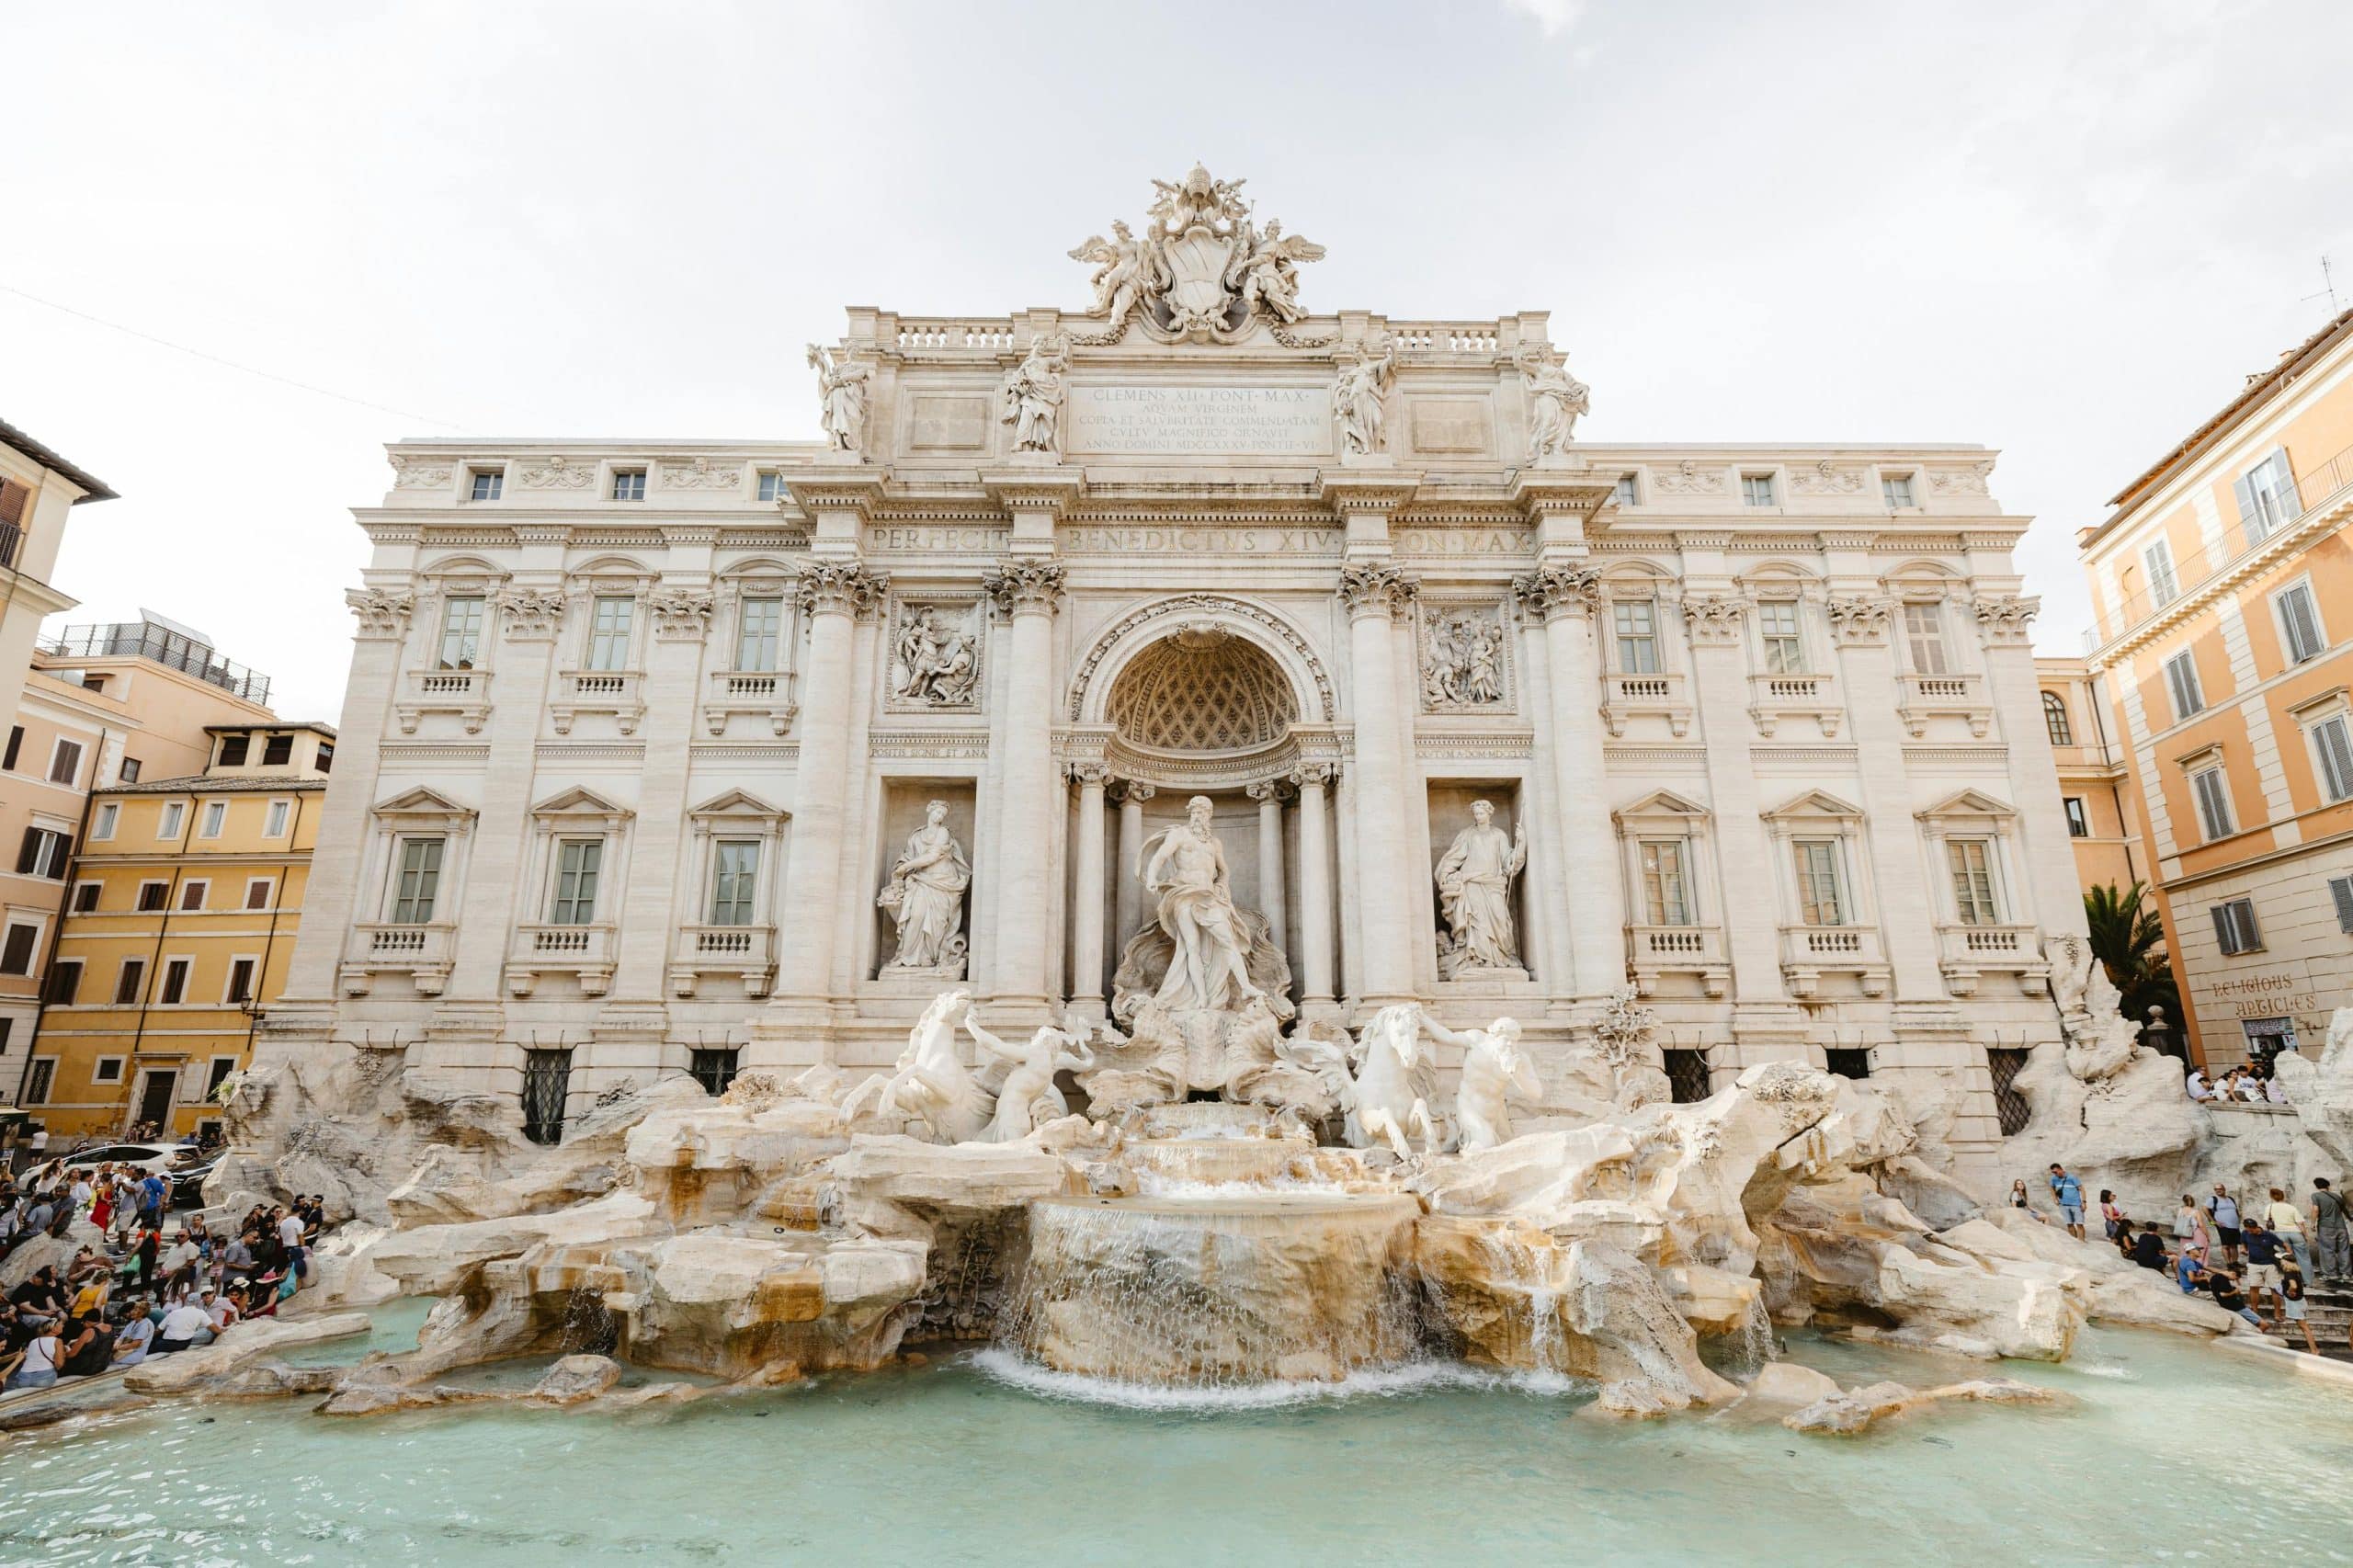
(188, 1182)
(161, 1158)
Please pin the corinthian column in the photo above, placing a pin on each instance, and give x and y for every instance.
(833, 594)
(1315, 883)
(1376, 596)
(1027, 588)
(1086, 922)
(1566, 598)
(1127, 908)
(1267, 792)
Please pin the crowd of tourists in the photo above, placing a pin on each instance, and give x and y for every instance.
(2247, 1084)
(127, 1293)
(2254, 1260)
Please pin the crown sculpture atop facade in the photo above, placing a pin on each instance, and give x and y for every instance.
(1201, 269)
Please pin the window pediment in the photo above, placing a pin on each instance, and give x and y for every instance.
(580, 809)
(1970, 806)
(1814, 806)
(420, 808)
(1661, 809)
(737, 808)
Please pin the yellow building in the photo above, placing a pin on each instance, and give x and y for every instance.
(2101, 824)
(2223, 586)
(184, 905)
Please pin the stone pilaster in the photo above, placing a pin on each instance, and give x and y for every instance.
(1905, 913)
(1128, 906)
(1267, 792)
(1086, 921)
(1314, 883)
(2047, 872)
(1566, 596)
(681, 613)
(1027, 588)
(1377, 595)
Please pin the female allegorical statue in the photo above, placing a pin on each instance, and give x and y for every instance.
(926, 897)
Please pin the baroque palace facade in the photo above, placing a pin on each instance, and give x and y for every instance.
(700, 756)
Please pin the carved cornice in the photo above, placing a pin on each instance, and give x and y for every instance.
(1713, 620)
(1051, 491)
(420, 474)
(701, 474)
(1559, 590)
(2006, 621)
(1362, 494)
(1825, 478)
(1858, 622)
(680, 614)
(382, 613)
(1969, 480)
(1025, 585)
(816, 490)
(839, 588)
(1375, 587)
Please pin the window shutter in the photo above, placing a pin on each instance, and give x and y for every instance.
(2225, 928)
(2250, 515)
(2341, 889)
(2282, 484)
(12, 497)
(30, 854)
(2335, 738)
(2303, 625)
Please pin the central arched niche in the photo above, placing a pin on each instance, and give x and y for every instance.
(1202, 688)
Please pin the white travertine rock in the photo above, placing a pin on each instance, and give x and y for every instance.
(1786, 1382)
(238, 1345)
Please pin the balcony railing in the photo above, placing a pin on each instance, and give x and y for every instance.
(423, 952)
(745, 950)
(586, 951)
(618, 692)
(465, 693)
(1966, 951)
(160, 644)
(766, 694)
(1808, 952)
(1920, 697)
(1629, 696)
(1773, 697)
(2317, 489)
(1655, 950)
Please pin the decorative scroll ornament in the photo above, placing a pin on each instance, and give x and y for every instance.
(1032, 396)
(1970, 481)
(1714, 619)
(382, 612)
(1373, 587)
(1025, 585)
(1827, 478)
(2008, 619)
(414, 473)
(701, 474)
(841, 588)
(1318, 774)
(530, 612)
(558, 474)
(1854, 622)
(935, 655)
(841, 398)
(681, 613)
(1462, 661)
(1687, 478)
(1559, 590)
(1201, 269)
(1555, 399)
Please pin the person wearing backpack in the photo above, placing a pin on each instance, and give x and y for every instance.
(2331, 1258)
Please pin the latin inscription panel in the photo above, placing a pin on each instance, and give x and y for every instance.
(1179, 421)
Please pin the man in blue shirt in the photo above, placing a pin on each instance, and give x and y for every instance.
(2070, 1194)
(151, 1200)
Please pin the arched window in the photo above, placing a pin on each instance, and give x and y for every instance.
(2054, 716)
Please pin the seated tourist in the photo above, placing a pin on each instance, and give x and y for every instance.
(185, 1325)
(37, 1366)
(2149, 1249)
(2199, 1086)
(135, 1336)
(2223, 1287)
(89, 1347)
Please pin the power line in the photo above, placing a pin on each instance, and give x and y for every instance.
(232, 364)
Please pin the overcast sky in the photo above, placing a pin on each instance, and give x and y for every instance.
(2065, 231)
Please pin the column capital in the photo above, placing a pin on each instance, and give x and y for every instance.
(1377, 587)
(680, 614)
(382, 613)
(1313, 775)
(1265, 790)
(1712, 620)
(530, 614)
(1134, 790)
(840, 587)
(1088, 775)
(1559, 590)
(2003, 620)
(1025, 585)
(1860, 621)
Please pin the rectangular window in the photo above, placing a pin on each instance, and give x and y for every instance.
(2267, 497)
(2340, 894)
(2079, 822)
(218, 1074)
(129, 772)
(2163, 587)
(1776, 622)
(629, 485)
(102, 821)
(2213, 793)
(241, 982)
(216, 817)
(323, 758)
(274, 825)
(234, 749)
(128, 982)
(278, 751)
(152, 896)
(1821, 893)
(1971, 861)
(192, 896)
(2234, 926)
(1756, 489)
(86, 897)
(462, 621)
(43, 853)
(1637, 624)
(734, 869)
(578, 861)
(168, 821)
(65, 763)
(1896, 489)
(36, 1086)
(486, 484)
(107, 1070)
(2333, 739)
(65, 984)
(2181, 684)
(2300, 622)
(760, 634)
(17, 948)
(1847, 1060)
(1924, 638)
(1623, 494)
(16, 745)
(772, 488)
(418, 882)
(257, 892)
(714, 1069)
(1666, 881)
(174, 983)
(608, 634)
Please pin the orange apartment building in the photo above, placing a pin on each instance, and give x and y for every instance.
(101, 706)
(2223, 587)
(2101, 825)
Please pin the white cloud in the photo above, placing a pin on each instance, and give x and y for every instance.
(1555, 16)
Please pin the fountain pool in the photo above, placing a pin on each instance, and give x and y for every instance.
(2172, 1451)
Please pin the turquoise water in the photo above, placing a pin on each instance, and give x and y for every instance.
(2173, 1452)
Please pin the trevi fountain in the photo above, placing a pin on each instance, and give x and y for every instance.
(1298, 1171)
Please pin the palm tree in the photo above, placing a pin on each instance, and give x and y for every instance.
(2128, 940)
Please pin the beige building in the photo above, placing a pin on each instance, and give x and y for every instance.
(2093, 775)
(2224, 587)
(103, 705)
(37, 489)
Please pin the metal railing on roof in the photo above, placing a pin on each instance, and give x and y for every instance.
(2316, 487)
(174, 649)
